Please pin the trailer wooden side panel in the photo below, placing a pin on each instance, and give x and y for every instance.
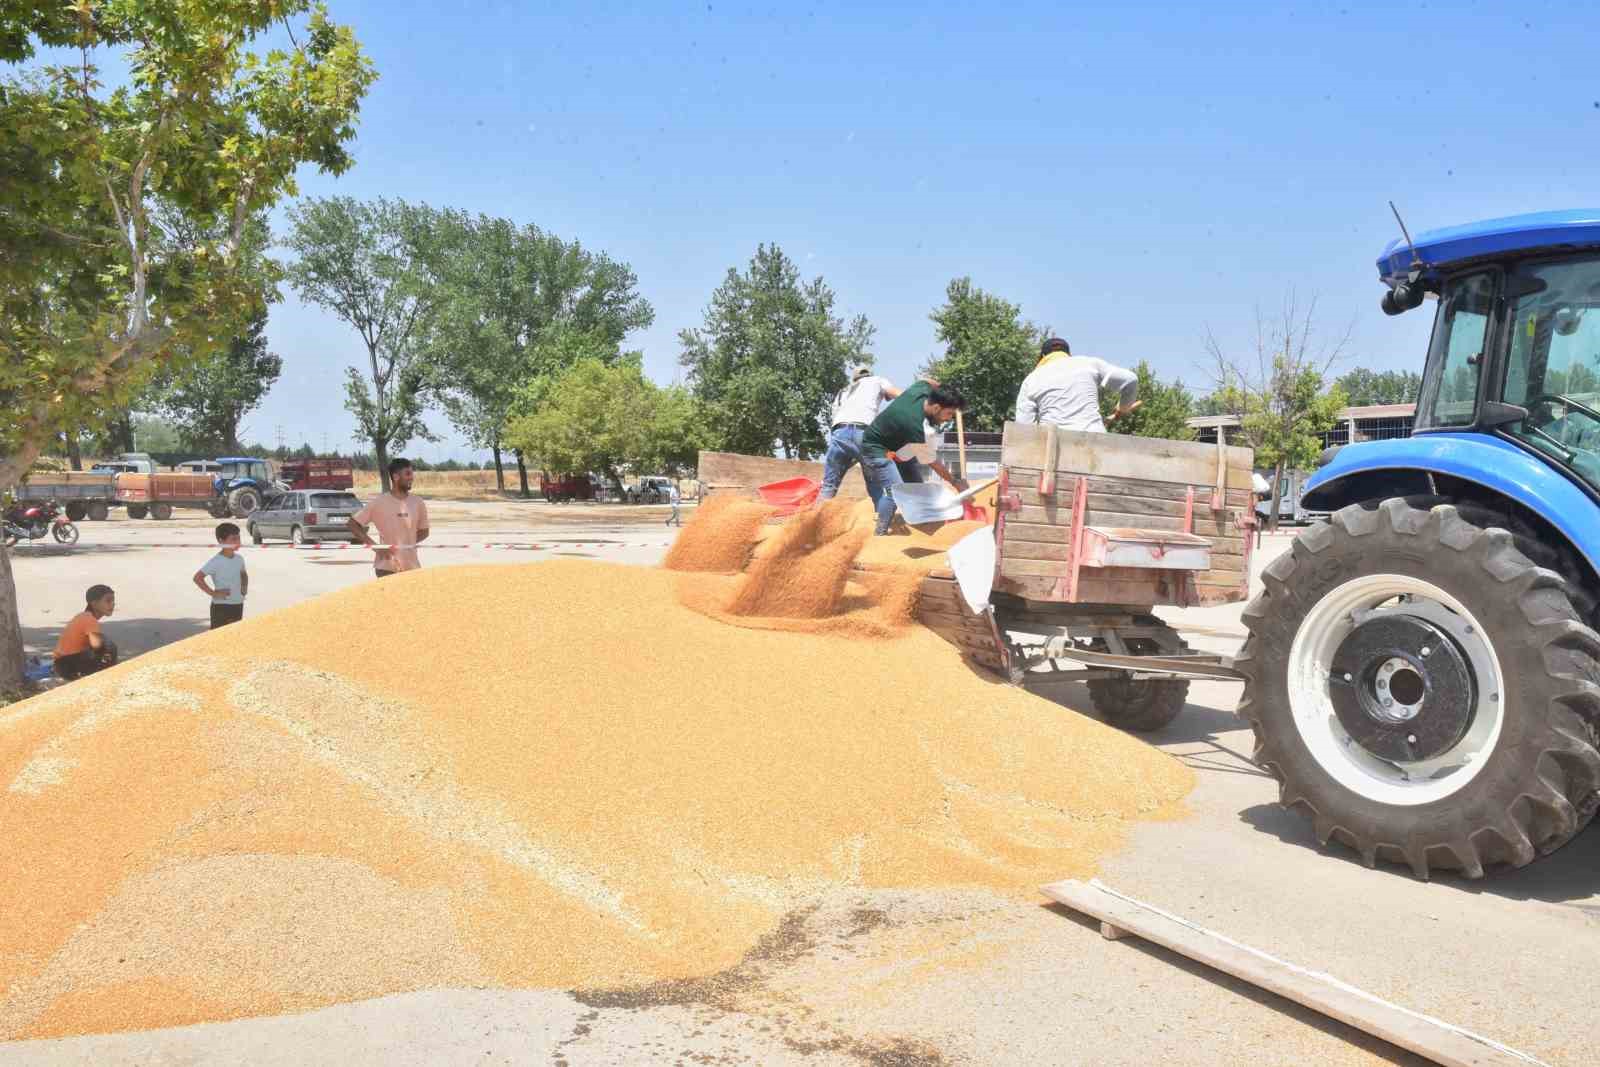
(1124, 484)
(942, 609)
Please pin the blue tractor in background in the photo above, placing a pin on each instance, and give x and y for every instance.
(242, 484)
(1422, 671)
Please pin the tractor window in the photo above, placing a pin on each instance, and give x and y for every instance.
(1553, 360)
(1455, 357)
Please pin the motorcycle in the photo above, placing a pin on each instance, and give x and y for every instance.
(35, 522)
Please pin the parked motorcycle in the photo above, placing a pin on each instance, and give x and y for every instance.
(34, 522)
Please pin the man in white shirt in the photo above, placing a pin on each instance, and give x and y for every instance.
(854, 408)
(1064, 389)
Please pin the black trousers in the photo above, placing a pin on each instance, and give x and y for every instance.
(223, 614)
(86, 662)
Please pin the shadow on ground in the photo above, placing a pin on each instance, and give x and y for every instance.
(151, 634)
(1571, 873)
(1194, 737)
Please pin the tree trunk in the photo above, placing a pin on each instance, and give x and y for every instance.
(74, 450)
(122, 432)
(1272, 509)
(380, 449)
(522, 473)
(12, 468)
(11, 658)
(499, 468)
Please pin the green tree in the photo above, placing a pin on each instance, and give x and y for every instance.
(989, 349)
(208, 396)
(95, 293)
(515, 304)
(1163, 411)
(373, 265)
(680, 427)
(770, 356)
(1278, 396)
(1365, 387)
(594, 416)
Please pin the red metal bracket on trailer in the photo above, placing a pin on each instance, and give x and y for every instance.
(1080, 504)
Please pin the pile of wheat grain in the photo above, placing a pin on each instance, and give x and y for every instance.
(496, 776)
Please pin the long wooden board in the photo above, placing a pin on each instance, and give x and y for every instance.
(1124, 456)
(1135, 487)
(1121, 915)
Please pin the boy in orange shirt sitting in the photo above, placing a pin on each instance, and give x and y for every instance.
(81, 649)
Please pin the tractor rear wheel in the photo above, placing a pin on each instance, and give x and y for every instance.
(244, 501)
(1423, 690)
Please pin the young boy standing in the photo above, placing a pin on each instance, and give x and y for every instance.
(231, 580)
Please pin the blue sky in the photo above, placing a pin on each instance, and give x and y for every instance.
(1129, 173)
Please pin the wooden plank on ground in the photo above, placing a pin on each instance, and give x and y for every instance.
(1424, 1035)
(1123, 456)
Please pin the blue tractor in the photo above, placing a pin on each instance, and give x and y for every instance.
(242, 484)
(1422, 671)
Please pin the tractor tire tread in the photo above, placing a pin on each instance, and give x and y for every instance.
(1511, 812)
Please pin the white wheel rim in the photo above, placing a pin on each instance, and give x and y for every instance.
(1311, 654)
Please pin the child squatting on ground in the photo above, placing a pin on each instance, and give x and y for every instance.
(231, 580)
(81, 649)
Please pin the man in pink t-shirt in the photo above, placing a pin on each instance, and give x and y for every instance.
(401, 519)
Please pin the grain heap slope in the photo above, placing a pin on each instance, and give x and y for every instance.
(387, 789)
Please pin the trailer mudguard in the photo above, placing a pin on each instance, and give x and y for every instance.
(1357, 471)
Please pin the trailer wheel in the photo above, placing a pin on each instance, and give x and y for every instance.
(1424, 691)
(77, 511)
(1140, 705)
(137, 511)
(98, 511)
(163, 512)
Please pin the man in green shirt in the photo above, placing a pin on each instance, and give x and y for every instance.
(900, 426)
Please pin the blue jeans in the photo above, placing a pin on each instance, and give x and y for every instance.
(844, 452)
(883, 474)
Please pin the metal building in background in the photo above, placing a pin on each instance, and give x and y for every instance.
(1375, 422)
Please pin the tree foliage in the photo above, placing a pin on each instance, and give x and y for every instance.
(209, 396)
(373, 264)
(607, 417)
(517, 304)
(1278, 395)
(770, 356)
(1364, 387)
(989, 349)
(95, 289)
(1164, 410)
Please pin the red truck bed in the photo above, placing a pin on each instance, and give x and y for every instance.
(318, 473)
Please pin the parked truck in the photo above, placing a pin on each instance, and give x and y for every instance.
(316, 474)
(83, 494)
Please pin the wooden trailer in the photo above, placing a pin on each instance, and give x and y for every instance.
(1092, 531)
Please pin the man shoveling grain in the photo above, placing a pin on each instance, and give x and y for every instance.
(904, 423)
(401, 519)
